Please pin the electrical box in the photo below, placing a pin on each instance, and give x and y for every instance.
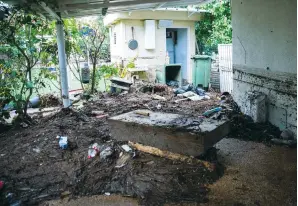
(150, 34)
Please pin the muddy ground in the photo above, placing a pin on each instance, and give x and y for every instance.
(35, 169)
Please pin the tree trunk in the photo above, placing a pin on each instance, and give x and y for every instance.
(93, 76)
(29, 95)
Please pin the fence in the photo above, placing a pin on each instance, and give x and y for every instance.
(225, 67)
(214, 76)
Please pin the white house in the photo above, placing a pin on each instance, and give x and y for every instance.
(158, 33)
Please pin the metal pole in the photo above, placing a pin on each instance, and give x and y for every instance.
(62, 63)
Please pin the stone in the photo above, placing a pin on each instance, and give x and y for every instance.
(287, 135)
(171, 132)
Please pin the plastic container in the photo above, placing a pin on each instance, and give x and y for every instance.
(63, 143)
(85, 73)
(93, 150)
(201, 70)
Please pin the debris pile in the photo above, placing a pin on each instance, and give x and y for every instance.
(35, 168)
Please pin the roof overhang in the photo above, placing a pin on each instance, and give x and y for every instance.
(169, 14)
(79, 8)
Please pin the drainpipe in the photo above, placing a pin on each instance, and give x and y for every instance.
(62, 63)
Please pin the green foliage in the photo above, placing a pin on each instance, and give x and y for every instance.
(86, 39)
(23, 39)
(215, 28)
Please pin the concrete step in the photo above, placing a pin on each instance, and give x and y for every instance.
(173, 132)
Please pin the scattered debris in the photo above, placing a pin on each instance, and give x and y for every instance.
(120, 83)
(173, 83)
(171, 155)
(189, 94)
(95, 113)
(37, 150)
(62, 142)
(158, 106)
(107, 152)
(126, 148)
(289, 143)
(64, 194)
(101, 116)
(200, 91)
(198, 98)
(144, 113)
(123, 158)
(287, 135)
(212, 111)
(93, 150)
(24, 125)
(157, 97)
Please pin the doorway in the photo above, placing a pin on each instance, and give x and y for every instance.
(176, 47)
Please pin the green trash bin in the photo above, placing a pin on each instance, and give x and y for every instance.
(201, 70)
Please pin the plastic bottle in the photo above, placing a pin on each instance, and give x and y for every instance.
(62, 142)
(93, 150)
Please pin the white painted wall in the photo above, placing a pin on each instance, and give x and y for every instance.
(267, 31)
(155, 57)
(265, 56)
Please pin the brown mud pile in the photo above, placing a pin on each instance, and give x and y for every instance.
(35, 169)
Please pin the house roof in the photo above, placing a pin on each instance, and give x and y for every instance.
(78, 8)
(170, 14)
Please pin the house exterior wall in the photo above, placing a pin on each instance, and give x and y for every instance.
(264, 56)
(154, 58)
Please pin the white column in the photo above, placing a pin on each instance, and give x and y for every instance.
(62, 63)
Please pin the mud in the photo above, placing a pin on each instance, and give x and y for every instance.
(35, 169)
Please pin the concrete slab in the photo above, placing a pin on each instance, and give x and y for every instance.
(173, 132)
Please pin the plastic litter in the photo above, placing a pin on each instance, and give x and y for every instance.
(179, 91)
(188, 87)
(200, 91)
(37, 150)
(107, 193)
(63, 143)
(12, 201)
(93, 150)
(106, 153)
(212, 111)
(1, 184)
(173, 83)
(126, 148)
(121, 162)
(158, 107)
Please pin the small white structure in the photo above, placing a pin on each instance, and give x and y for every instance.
(159, 33)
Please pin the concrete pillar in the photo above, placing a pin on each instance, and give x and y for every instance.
(62, 63)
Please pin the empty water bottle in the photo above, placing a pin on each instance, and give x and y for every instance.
(93, 150)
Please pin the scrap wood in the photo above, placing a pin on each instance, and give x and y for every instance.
(94, 112)
(171, 155)
(158, 97)
(144, 113)
(180, 100)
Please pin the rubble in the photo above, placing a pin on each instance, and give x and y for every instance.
(152, 175)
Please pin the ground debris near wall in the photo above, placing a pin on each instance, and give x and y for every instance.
(35, 169)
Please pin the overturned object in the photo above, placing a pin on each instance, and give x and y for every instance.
(120, 83)
(172, 132)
